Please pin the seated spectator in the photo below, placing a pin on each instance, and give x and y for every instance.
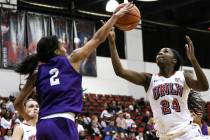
(113, 108)
(10, 105)
(129, 121)
(94, 129)
(150, 132)
(105, 112)
(6, 120)
(120, 122)
(8, 135)
(110, 130)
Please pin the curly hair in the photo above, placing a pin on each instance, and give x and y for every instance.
(196, 104)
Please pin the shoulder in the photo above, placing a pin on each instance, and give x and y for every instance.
(19, 129)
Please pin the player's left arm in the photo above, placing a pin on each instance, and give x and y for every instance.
(24, 94)
(201, 82)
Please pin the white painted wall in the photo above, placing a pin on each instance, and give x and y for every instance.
(106, 82)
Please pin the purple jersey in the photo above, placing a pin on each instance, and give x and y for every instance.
(59, 87)
(204, 129)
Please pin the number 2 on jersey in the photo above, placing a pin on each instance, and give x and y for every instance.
(54, 80)
(166, 106)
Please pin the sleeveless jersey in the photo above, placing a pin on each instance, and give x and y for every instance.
(58, 87)
(204, 129)
(29, 132)
(168, 100)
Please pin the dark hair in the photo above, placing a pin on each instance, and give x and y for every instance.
(45, 51)
(178, 58)
(195, 103)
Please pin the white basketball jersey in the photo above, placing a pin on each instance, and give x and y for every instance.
(168, 100)
(29, 132)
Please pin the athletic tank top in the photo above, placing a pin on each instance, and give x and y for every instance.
(204, 129)
(58, 87)
(29, 132)
(168, 100)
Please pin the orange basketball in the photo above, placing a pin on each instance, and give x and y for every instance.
(130, 20)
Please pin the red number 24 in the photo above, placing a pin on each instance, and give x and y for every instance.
(166, 106)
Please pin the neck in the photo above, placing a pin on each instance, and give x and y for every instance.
(166, 72)
(32, 122)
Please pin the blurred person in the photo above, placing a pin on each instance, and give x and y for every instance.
(129, 122)
(196, 106)
(94, 130)
(113, 108)
(168, 90)
(121, 122)
(27, 129)
(139, 136)
(8, 135)
(110, 130)
(10, 105)
(6, 120)
(58, 81)
(105, 112)
(150, 131)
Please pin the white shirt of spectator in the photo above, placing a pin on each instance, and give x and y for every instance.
(105, 113)
(5, 123)
(80, 128)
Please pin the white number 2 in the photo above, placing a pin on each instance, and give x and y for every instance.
(54, 80)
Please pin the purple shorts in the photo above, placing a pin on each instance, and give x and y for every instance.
(56, 129)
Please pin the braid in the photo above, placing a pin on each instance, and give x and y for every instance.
(195, 103)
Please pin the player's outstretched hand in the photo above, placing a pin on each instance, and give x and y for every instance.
(124, 8)
(190, 49)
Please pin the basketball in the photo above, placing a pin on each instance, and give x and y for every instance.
(130, 20)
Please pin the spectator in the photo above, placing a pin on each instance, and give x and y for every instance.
(128, 120)
(120, 121)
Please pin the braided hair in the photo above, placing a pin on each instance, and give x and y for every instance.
(196, 104)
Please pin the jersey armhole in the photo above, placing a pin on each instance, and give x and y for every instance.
(149, 78)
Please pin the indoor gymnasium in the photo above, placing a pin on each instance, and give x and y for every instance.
(104, 70)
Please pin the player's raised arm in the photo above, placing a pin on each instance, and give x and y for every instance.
(130, 75)
(24, 94)
(201, 82)
(100, 36)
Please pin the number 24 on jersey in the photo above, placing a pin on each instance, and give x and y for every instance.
(166, 107)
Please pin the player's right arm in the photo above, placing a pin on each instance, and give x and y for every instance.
(100, 36)
(24, 94)
(142, 78)
(17, 133)
(201, 81)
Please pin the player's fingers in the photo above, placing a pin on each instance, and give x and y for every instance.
(103, 22)
(187, 48)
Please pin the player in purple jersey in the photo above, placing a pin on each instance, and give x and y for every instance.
(58, 81)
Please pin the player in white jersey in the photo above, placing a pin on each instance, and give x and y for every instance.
(168, 90)
(27, 129)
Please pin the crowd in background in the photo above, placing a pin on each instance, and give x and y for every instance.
(116, 121)
(9, 117)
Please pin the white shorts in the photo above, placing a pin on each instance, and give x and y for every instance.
(192, 132)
